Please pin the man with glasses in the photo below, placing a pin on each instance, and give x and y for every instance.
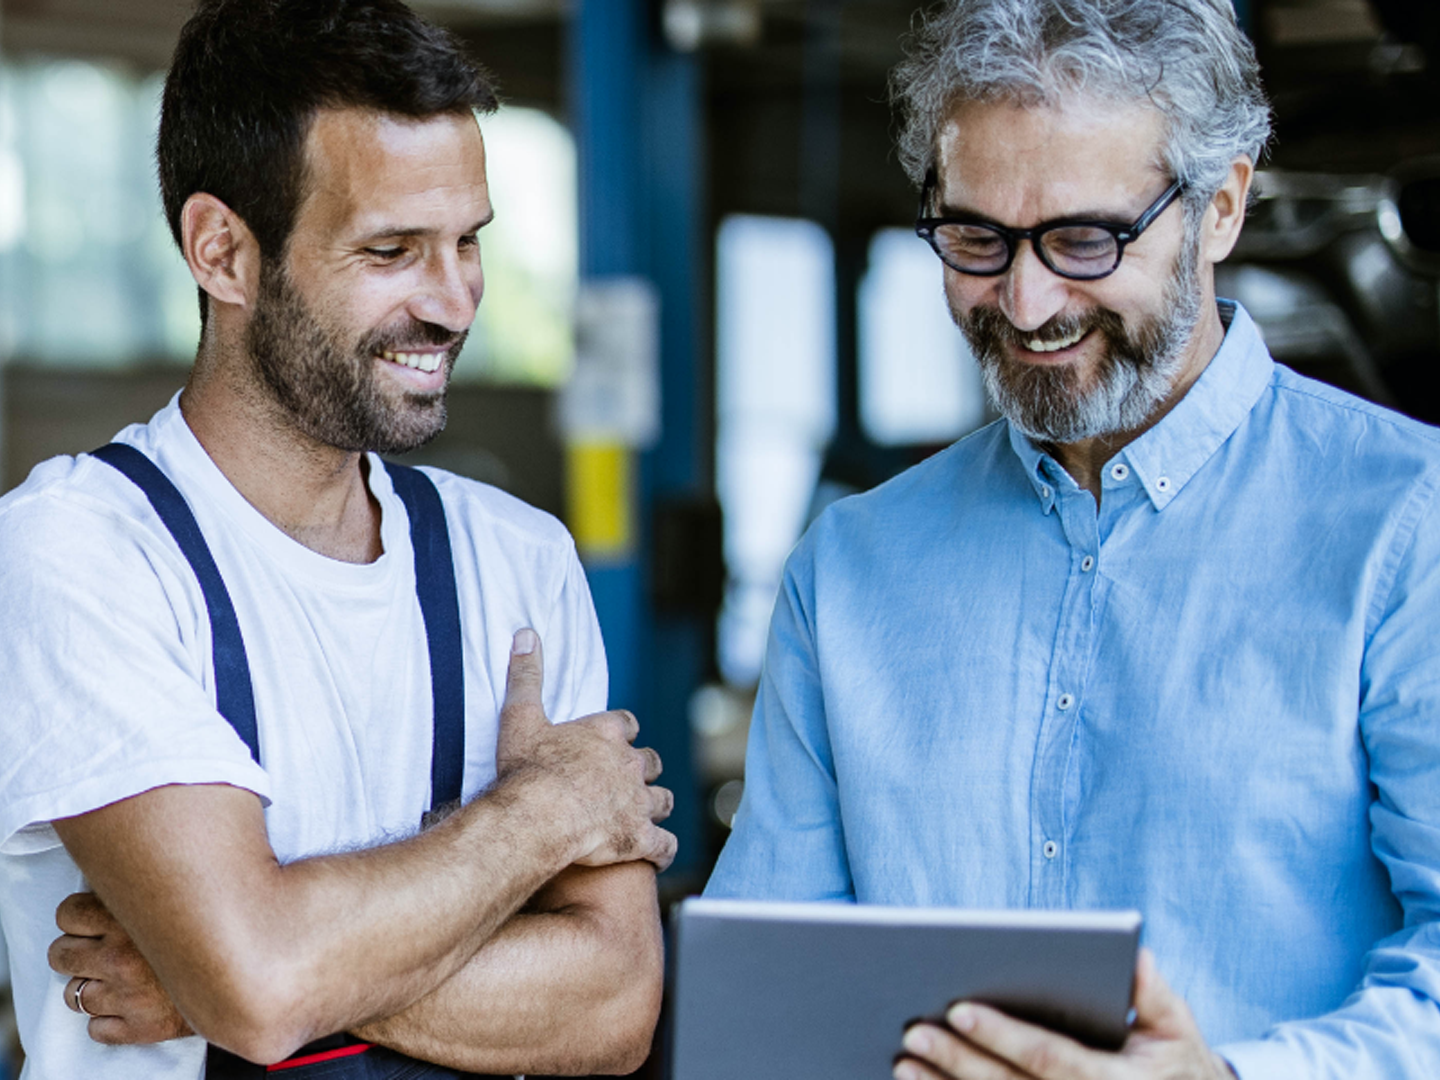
(1167, 636)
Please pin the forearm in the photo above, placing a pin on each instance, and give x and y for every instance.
(252, 966)
(571, 988)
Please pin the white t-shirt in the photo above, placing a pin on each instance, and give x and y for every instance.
(107, 686)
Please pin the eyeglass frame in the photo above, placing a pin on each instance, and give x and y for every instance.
(926, 226)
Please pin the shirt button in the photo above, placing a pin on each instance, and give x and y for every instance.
(1051, 849)
(1162, 484)
(1087, 563)
(1120, 471)
(1066, 700)
(1044, 491)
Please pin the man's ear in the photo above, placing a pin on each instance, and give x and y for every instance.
(1226, 213)
(222, 252)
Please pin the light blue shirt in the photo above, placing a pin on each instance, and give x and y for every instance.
(1217, 701)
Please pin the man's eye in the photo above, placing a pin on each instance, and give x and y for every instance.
(470, 240)
(385, 252)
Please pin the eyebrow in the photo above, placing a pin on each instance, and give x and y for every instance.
(389, 232)
(1109, 217)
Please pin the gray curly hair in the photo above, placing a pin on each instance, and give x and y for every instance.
(1187, 58)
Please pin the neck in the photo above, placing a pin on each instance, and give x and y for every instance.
(316, 494)
(1085, 460)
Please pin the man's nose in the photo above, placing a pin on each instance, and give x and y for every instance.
(1031, 293)
(450, 292)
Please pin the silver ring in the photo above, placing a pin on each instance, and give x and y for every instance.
(79, 1001)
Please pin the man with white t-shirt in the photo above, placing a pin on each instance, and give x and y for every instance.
(242, 657)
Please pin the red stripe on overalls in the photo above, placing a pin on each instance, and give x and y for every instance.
(315, 1059)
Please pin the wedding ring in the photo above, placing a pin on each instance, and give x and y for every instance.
(79, 1000)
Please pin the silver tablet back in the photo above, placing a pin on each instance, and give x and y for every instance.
(824, 991)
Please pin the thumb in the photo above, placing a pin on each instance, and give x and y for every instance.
(525, 681)
(1159, 1011)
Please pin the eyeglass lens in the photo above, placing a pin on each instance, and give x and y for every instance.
(1075, 250)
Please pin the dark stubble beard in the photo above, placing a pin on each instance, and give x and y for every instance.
(1139, 369)
(328, 388)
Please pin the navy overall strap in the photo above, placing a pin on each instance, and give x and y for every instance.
(440, 606)
(341, 1055)
(234, 693)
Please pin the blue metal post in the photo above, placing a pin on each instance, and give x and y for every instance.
(636, 112)
(607, 61)
(677, 468)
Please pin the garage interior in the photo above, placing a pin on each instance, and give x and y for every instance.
(695, 126)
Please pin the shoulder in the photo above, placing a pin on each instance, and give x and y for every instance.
(925, 497)
(73, 504)
(482, 509)
(78, 537)
(1339, 409)
(1355, 439)
(513, 547)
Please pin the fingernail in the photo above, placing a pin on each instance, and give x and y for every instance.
(525, 642)
(918, 1041)
(961, 1017)
(906, 1070)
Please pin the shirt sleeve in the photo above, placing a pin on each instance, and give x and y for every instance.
(787, 842)
(1389, 1028)
(103, 661)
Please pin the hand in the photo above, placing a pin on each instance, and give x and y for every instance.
(126, 1002)
(983, 1044)
(594, 778)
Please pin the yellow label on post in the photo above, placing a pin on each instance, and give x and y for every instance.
(599, 498)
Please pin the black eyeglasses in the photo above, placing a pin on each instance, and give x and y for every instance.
(1074, 248)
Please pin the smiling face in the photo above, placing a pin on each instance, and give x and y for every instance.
(355, 334)
(1072, 360)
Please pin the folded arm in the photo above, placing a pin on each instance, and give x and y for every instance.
(587, 949)
(252, 953)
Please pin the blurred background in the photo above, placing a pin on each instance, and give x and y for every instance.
(706, 313)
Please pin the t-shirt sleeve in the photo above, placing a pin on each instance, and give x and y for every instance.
(104, 646)
(576, 677)
(787, 842)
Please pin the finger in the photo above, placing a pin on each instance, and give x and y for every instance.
(614, 724)
(525, 681)
(117, 1031)
(911, 1069)
(653, 767)
(70, 955)
(83, 915)
(80, 992)
(662, 803)
(662, 849)
(948, 1055)
(1032, 1051)
(1159, 1011)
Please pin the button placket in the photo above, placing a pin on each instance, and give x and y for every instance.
(1065, 685)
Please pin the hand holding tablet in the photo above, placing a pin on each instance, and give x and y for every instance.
(828, 990)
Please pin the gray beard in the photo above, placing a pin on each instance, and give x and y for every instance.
(1136, 375)
(327, 388)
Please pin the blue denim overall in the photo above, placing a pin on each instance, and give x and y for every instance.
(341, 1056)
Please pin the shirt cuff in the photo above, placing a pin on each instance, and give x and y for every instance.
(1261, 1059)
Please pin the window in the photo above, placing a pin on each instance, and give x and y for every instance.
(775, 375)
(919, 382)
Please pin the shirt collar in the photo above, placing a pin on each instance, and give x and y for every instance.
(1165, 458)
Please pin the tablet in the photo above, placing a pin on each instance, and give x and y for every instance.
(825, 991)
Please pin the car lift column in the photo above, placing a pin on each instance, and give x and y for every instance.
(635, 108)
